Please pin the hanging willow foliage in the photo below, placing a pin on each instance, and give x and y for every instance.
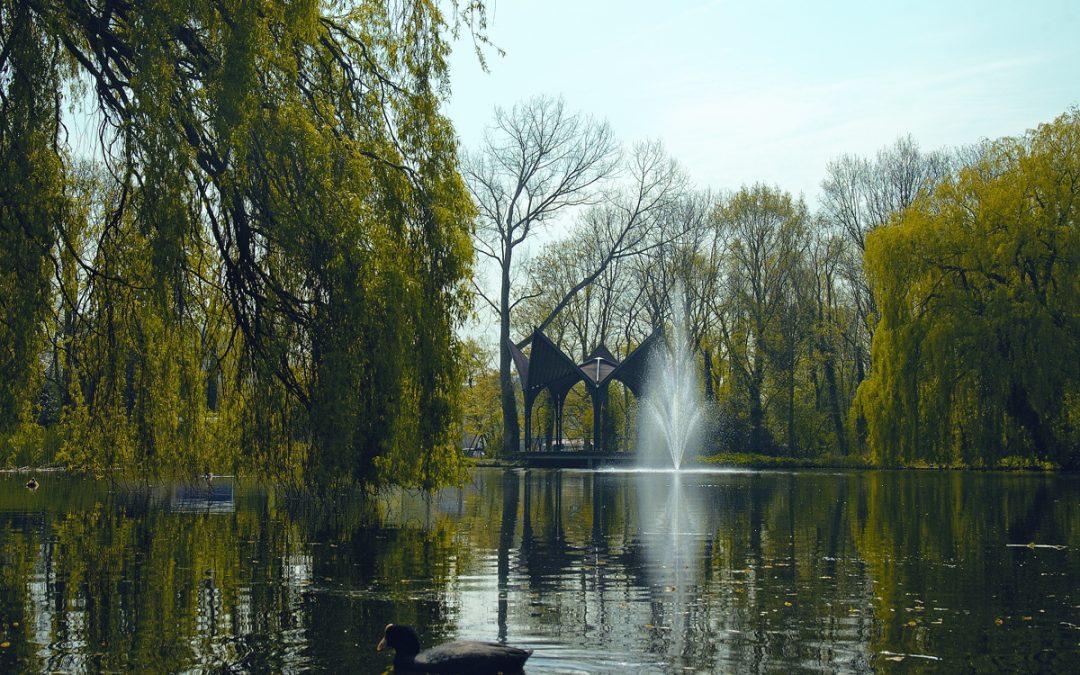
(267, 263)
(977, 354)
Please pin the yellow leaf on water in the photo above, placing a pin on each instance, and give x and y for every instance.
(1027, 618)
(4, 645)
(787, 604)
(998, 621)
(912, 623)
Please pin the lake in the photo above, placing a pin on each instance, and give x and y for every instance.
(598, 572)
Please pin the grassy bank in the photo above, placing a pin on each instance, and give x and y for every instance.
(755, 461)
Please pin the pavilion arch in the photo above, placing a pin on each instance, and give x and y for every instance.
(549, 368)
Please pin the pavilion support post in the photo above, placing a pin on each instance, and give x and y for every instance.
(560, 399)
(529, 400)
(598, 396)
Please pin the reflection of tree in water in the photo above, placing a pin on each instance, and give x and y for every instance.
(120, 581)
(739, 571)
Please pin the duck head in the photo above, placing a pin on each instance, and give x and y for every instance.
(401, 639)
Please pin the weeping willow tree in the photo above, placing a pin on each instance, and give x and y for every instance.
(31, 201)
(977, 354)
(267, 263)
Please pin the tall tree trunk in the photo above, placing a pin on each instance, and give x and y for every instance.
(511, 430)
(1019, 407)
(758, 434)
(757, 420)
(709, 394)
(834, 404)
(792, 448)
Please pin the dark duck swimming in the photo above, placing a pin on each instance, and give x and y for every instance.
(463, 657)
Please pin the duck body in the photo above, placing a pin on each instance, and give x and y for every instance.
(463, 657)
(468, 657)
(32, 484)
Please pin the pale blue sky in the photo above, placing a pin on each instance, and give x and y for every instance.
(771, 91)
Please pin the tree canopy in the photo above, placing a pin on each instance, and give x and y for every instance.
(926, 314)
(276, 227)
(977, 354)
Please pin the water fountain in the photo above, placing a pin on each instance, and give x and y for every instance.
(672, 417)
(671, 427)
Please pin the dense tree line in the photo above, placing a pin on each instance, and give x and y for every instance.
(264, 257)
(265, 260)
(925, 313)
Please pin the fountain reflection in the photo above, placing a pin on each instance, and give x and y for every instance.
(600, 572)
(676, 536)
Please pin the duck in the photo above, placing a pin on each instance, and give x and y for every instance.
(453, 657)
(32, 484)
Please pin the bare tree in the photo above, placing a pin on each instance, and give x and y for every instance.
(632, 222)
(860, 195)
(536, 161)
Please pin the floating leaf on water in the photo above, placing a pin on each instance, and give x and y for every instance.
(4, 645)
(1026, 618)
(787, 604)
(998, 621)
(1055, 547)
(893, 656)
(912, 623)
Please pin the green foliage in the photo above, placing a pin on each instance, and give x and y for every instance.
(761, 321)
(31, 202)
(269, 266)
(971, 260)
(757, 461)
(977, 354)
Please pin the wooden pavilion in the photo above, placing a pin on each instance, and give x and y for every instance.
(549, 368)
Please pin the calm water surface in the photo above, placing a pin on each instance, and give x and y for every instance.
(598, 572)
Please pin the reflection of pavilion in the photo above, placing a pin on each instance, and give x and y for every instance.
(549, 368)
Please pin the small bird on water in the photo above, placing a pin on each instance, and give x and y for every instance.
(473, 658)
(32, 484)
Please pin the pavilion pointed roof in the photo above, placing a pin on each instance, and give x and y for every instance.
(635, 369)
(548, 367)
